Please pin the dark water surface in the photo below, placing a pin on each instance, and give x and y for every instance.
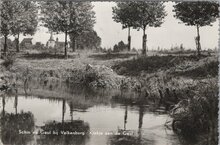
(90, 118)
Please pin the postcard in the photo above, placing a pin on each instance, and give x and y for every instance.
(109, 72)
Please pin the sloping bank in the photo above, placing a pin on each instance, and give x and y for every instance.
(94, 76)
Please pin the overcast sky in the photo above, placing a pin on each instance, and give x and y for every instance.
(171, 32)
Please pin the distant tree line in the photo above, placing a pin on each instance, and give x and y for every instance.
(121, 46)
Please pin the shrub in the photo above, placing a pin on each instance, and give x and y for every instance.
(198, 114)
(9, 60)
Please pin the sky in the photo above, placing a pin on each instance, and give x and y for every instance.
(171, 33)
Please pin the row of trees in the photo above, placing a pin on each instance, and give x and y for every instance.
(75, 19)
(141, 15)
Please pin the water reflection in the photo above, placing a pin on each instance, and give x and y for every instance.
(14, 125)
(60, 108)
(131, 137)
(75, 132)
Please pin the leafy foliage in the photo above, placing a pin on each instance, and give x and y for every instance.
(121, 46)
(11, 124)
(139, 15)
(9, 60)
(26, 18)
(124, 13)
(68, 17)
(199, 113)
(88, 40)
(149, 14)
(197, 13)
(18, 17)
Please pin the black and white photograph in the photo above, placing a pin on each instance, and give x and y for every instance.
(109, 72)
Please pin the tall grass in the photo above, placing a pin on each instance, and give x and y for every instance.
(199, 114)
(149, 64)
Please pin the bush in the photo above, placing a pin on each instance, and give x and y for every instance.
(199, 114)
(9, 60)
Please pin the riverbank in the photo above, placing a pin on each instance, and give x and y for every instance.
(184, 85)
(86, 68)
(116, 71)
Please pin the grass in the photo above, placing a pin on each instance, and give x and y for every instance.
(198, 114)
(108, 56)
(207, 69)
(153, 73)
(149, 64)
(46, 56)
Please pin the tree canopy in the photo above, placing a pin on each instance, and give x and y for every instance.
(149, 14)
(68, 17)
(18, 17)
(124, 13)
(197, 13)
(139, 14)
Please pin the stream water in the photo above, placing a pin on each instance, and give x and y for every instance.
(81, 117)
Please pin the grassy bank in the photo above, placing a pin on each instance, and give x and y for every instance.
(80, 68)
(188, 86)
(184, 85)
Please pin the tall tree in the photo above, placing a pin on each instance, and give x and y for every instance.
(67, 17)
(124, 13)
(86, 22)
(201, 13)
(26, 20)
(16, 18)
(149, 14)
(7, 20)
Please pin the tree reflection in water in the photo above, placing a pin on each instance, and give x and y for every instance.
(73, 132)
(77, 133)
(130, 137)
(11, 124)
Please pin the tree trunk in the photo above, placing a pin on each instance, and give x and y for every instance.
(65, 44)
(125, 117)
(3, 105)
(5, 45)
(198, 41)
(144, 44)
(63, 110)
(129, 39)
(141, 115)
(16, 103)
(17, 44)
(74, 44)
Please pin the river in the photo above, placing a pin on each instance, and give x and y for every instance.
(58, 115)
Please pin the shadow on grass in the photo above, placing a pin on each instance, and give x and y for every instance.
(105, 56)
(46, 56)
